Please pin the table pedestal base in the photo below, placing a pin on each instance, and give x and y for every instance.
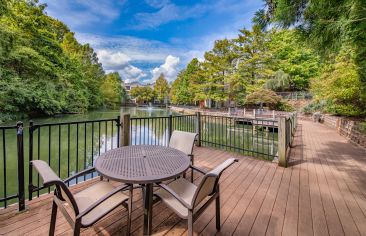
(148, 202)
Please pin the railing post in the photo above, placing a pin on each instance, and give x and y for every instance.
(20, 150)
(282, 161)
(30, 171)
(170, 126)
(125, 130)
(118, 131)
(198, 128)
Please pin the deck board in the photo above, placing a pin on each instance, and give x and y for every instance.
(321, 193)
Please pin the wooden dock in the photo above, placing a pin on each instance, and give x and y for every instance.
(321, 193)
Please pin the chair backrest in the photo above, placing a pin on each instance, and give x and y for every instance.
(209, 183)
(50, 178)
(183, 141)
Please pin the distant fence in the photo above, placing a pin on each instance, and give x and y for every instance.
(70, 147)
(295, 95)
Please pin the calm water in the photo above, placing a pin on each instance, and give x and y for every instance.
(68, 148)
(71, 148)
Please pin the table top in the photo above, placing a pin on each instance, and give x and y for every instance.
(142, 164)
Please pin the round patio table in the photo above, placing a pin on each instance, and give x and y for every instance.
(143, 164)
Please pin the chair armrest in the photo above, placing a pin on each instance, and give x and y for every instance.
(175, 195)
(81, 173)
(101, 200)
(198, 169)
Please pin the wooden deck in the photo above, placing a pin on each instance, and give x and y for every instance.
(322, 193)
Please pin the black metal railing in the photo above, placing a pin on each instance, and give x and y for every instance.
(157, 130)
(12, 162)
(69, 147)
(253, 137)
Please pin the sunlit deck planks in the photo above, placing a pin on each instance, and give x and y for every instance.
(322, 193)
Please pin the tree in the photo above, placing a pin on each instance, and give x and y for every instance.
(263, 97)
(112, 90)
(181, 92)
(217, 66)
(161, 88)
(292, 56)
(339, 85)
(142, 94)
(329, 26)
(279, 82)
(43, 69)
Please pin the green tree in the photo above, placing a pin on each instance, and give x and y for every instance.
(339, 85)
(112, 90)
(279, 82)
(263, 97)
(161, 88)
(43, 69)
(142, 94)
(181, 92)
(329, 26)
(292, 56)
(217, 66)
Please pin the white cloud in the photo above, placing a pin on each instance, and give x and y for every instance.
(78, 13)
(137, 49)
(157, 3)
(113, 60)
(131, 73)
(170, 69)
(168, 12)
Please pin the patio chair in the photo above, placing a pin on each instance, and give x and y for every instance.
(187, 199)
(89, 205)
(184, 141)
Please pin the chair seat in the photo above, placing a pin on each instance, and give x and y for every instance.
(184, 189)
(87, 197)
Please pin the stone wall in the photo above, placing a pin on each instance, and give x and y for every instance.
(347, 128)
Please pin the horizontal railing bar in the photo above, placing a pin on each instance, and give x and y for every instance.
(241, 118)
(8, 127)
(238, 148)
(9, 198)
(159, 117)
(75, 122)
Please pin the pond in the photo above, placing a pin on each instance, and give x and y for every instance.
(70, 148)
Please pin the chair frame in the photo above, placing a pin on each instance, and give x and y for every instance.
(58, 201)
(190, 155)
(214, 196)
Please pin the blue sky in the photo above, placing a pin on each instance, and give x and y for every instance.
(143, 38)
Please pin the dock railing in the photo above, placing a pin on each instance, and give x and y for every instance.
(70, 147)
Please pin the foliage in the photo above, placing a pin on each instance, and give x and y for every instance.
(263, 97)
(142, 94)
(294, 58)
(254, 59)
(340, 86)
(161, 88)
(279, 82)
(112, 90)
(314, 106)
(329, 26)
(283, 105)
(362, 127)
(43, 69)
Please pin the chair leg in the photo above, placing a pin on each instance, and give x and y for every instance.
(77, 227)
(190, 223)
(53, 219)
(129, 210)
(218, 224)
